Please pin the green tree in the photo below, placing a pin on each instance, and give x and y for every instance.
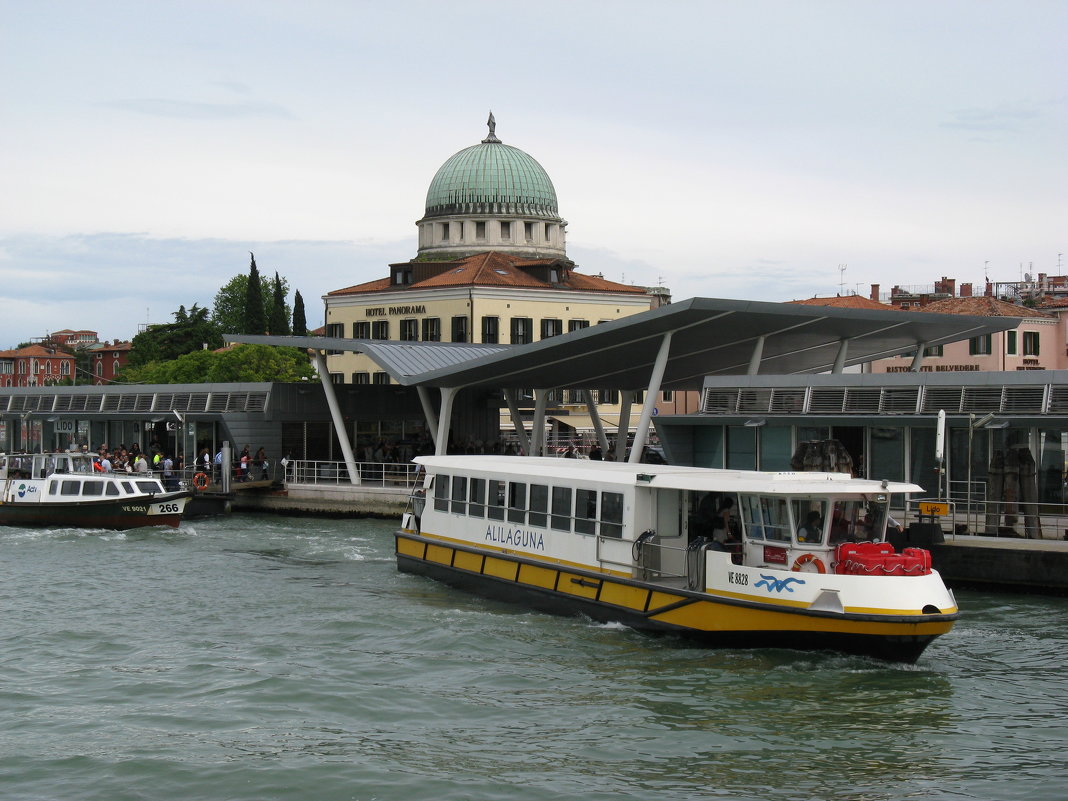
(242, 363)
(255, 320)
(190, 331)
(228, 306)
(278, 319)
(300, 323)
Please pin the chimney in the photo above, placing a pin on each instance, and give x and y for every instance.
(965, 290)
(989, 290)
(951, 286)
(875, 292)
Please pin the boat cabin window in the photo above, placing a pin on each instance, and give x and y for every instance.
(93, 488)
(128, 487)
(561, 518)
(495, 499)
(111, 489)
(477, 505)
(70, 488)
(810, 516)
(459, 495)
(766, 518)
(586, 511)
(612, 514)
(517, 502)
(539, 504)
(149, 486)
(857, 521)
(441, 492)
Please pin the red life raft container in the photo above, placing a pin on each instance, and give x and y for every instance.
(879, 559)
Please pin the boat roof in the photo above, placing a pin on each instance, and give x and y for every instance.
(701, 479)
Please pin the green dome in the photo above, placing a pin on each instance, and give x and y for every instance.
(491, 178)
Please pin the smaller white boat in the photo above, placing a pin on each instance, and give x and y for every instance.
(808, 566)
(67, 489)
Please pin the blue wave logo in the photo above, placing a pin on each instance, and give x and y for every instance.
(773, 584)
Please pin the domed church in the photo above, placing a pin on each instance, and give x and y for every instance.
(491, 267)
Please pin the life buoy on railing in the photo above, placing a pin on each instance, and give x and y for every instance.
(805, 558)
(200, 481)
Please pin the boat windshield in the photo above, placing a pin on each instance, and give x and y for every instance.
(810, 515)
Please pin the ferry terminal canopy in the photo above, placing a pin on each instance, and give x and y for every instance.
(709, 336)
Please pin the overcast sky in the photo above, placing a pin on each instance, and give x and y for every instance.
(743, 149)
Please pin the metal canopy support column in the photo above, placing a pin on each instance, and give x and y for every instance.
(623, 429)
(840, 359)
(541, 400)
(754, 359)
(441, 442)
(650, 398)
(428, 413)
(517, 420)
(917, 358)
(335, 415)
(595, 420)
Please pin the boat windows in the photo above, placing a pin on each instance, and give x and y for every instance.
(561, 517)
(70, 488)
(612, 514)
(539, 504)
(128, 487)
(93, 488)
(459, 495)
(111, 489)
(856, 521)
(495, 499)
(586, 511)
(810, 516)
(441, 492)
(477, 506)
(149, 486)
(517, 502)
(766, 518)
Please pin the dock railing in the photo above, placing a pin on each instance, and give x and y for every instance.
(375, 474)
(983, 517)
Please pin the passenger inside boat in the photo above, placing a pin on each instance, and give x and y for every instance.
(811, 531)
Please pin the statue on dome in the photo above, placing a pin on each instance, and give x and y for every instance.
(492, 138)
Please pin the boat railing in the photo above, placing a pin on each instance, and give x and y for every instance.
(984, 517)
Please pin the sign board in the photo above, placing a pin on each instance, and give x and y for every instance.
(66, 426)
(934, 508)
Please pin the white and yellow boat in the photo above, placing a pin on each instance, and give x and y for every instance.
(804, 565)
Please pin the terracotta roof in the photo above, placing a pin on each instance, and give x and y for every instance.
(845, 302)
(983, 306)
(492, 268)
(36, 350)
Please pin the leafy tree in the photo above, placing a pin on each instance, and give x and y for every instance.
(255, 321)
(190, 331)
(278, 319)
(241, 363)
(228, 307)
(300, 323)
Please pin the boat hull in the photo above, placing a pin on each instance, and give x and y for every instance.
(653, 607)
(116, 515)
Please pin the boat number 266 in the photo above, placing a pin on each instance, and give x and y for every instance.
(166, 508)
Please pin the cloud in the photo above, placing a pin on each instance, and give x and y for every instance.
(162, 107)
(992, 119)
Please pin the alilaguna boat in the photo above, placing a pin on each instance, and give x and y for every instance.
(632, 543)
(65, 489)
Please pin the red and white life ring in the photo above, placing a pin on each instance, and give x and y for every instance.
(200, 481)
(807, 558)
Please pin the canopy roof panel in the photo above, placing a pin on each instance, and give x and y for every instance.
(710, 336)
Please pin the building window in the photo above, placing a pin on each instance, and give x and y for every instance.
(361, 330)
(548, 232)
(1030, 343)
(1010, 343)
(115, 368)
(361, 378)
(667, 395)
(459, 328)
(979, 346)
(528, 231)
(335, 330)
(506, 231)
(522, 330)
(609, 396)
(380, 329)
(577, 325)
(444, 232)
(934, 350)
(381, 377)
(431, 329)
(337, 378)
(551, 328)
(409, 330)
(480, 231)
(491, 330)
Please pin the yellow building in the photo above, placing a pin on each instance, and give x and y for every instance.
(491, 268)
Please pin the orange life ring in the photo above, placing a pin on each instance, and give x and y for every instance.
(805, 558)
(200, 481)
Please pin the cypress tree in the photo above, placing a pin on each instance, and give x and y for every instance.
(254, 322)
(278, 325)
(300, 324)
